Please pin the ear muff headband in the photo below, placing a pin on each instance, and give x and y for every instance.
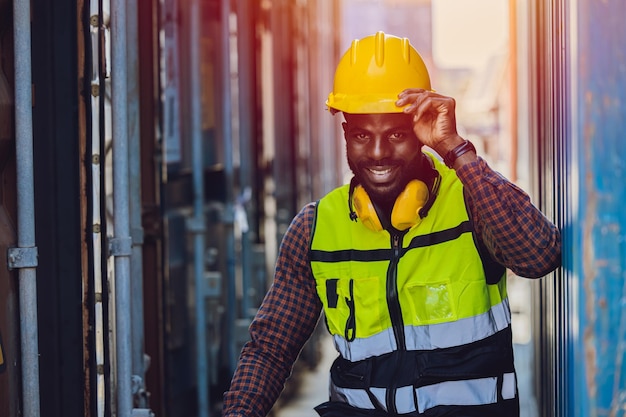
(406, 209)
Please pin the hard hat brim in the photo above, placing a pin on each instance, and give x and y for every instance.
(366, 104)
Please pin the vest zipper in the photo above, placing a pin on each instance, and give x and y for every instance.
(395, 313)
(393, 302)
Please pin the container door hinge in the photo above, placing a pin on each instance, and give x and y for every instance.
(120, 246)
(142, 412)
(18, 258)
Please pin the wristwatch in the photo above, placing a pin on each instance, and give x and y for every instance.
(450, 158)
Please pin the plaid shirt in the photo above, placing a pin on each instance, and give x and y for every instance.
(515, 232)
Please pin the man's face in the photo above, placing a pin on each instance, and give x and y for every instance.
(383, 152)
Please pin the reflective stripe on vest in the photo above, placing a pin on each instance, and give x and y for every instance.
(467, 392)
(429, 337)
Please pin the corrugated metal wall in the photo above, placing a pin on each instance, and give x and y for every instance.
(581, 91)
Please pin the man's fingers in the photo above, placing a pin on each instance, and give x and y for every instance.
(428, 105)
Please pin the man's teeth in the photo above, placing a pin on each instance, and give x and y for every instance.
(380, 171)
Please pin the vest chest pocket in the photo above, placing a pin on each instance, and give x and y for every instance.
(431, 303)
(351, 306)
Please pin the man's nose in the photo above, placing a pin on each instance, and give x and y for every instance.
(379, 148)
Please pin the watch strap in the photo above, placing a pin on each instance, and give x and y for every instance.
(451, 156)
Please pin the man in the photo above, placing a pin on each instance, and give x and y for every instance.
(408, 261)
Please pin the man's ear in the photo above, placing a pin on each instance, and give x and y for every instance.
(344, 125)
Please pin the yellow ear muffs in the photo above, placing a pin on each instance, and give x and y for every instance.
(406, 209)
(365, 209)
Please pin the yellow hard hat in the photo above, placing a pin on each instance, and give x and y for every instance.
(372, 73)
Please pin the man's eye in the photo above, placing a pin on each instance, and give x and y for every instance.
(396, 136)
(361, 137)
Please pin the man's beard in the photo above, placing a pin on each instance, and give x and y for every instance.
(410, 170)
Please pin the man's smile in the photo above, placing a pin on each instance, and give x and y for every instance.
(380, 174)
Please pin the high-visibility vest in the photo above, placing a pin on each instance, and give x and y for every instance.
(417, 326)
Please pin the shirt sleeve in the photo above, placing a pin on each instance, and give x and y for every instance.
(283, 323)
(513, 230)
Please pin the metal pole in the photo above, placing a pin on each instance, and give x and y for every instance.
(198, 223)
(120, 245)
(246, 140)
(134, 152)
(229, 216)
(25, 256)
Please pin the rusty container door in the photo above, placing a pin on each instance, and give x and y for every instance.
(9, 319)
